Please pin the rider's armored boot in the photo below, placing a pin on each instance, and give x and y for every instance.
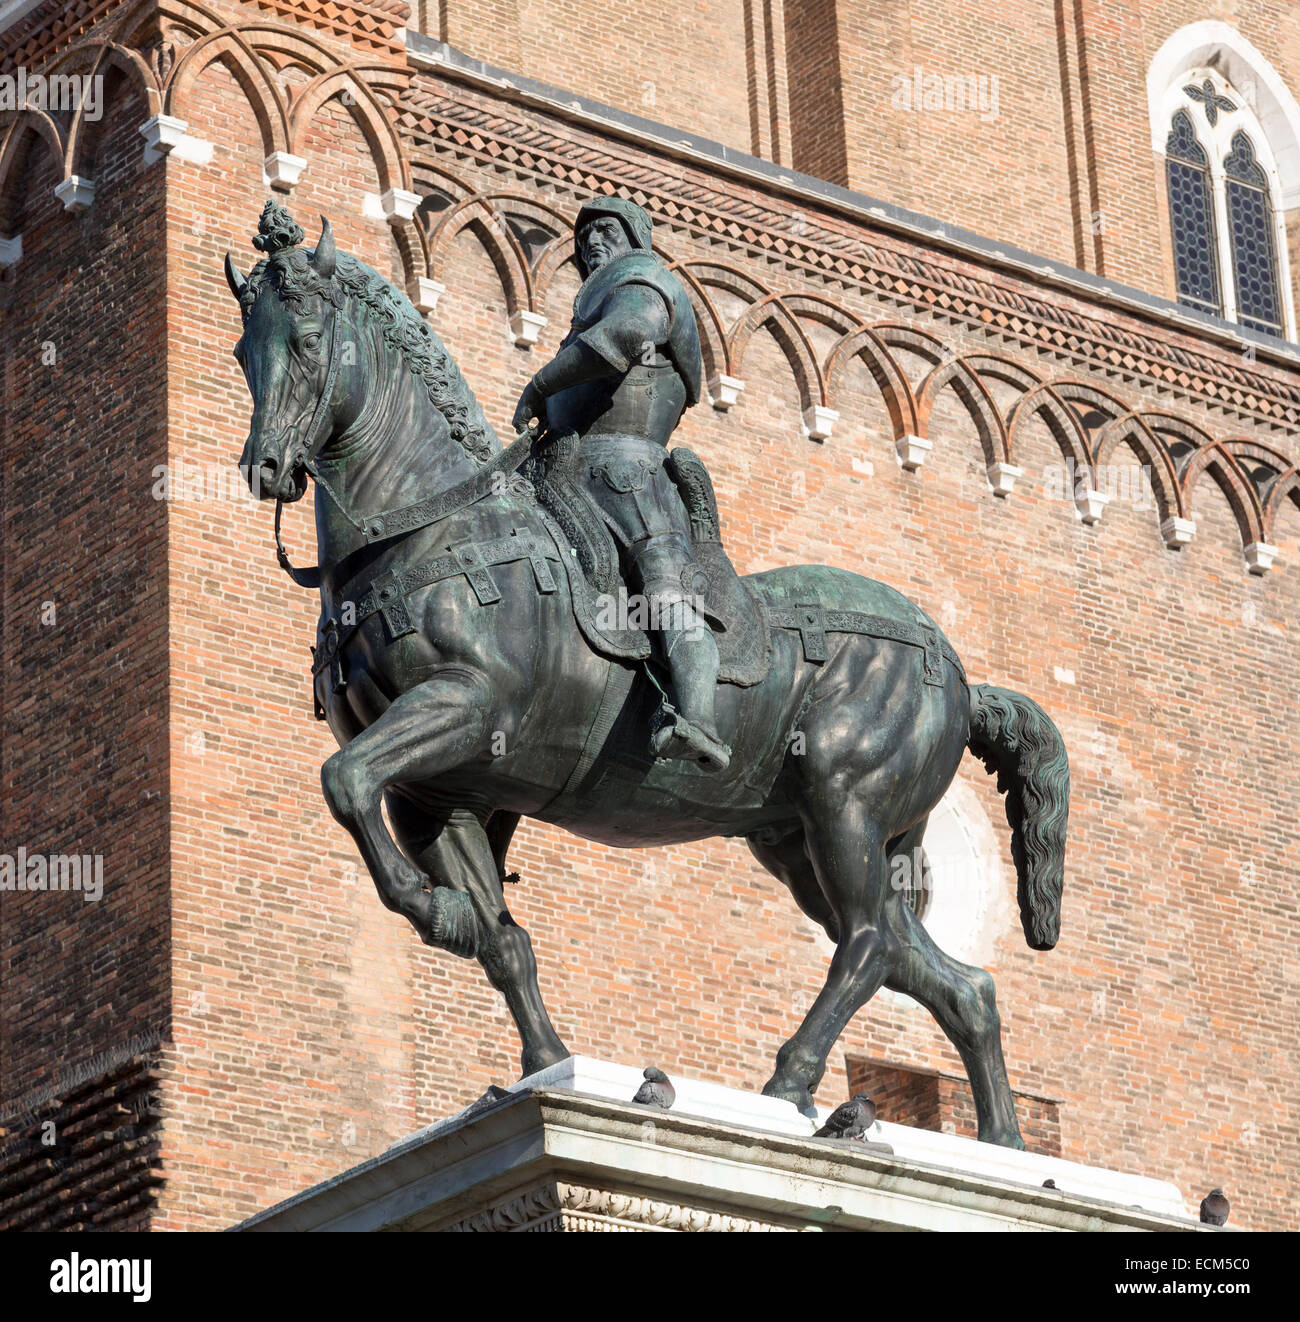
(689, 732)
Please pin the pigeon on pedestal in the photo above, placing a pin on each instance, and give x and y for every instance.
(851, 1120)
(1214, 1208)
(656, 1091)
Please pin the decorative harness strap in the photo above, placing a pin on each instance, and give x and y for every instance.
(813, 623)
(386, 595)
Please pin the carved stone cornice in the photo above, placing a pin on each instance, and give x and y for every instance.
(558, 1207)
(440, 116)
(548, 1160)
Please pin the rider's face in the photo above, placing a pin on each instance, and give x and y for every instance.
(602, 240)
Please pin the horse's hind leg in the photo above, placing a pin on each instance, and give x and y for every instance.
(961, 998)
(787, 860)
(460, 853)
(847, 861)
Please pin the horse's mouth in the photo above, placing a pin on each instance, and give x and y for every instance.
(297, 485)
(285, 487)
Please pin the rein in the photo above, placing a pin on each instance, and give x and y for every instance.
(407, 518)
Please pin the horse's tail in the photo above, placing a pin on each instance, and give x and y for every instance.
(1015, 737)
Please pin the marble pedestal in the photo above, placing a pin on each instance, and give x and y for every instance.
(566, 1150)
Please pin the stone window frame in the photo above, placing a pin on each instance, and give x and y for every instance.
(1265, 111)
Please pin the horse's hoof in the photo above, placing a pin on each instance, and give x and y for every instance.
(795, 1093)
(1005, 1140)
(535, 1062)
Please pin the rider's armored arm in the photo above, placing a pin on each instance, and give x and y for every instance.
(634, 324)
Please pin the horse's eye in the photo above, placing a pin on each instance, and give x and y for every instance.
(312, 340)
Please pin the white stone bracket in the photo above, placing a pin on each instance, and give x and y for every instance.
(1002, 478)
(819, 421)
(425, 293)
(165, 135)
(912, 451)
(77, 193)
(724, 390)
(526, 327)
(1177, 532)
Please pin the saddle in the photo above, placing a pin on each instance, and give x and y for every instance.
(586, 545)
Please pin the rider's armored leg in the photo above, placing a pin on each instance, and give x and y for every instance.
(687, 647)
(691, 654)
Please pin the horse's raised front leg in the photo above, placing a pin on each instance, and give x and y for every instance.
(460, 853)
(427, 731)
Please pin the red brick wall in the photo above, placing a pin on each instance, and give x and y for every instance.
(1060, 165)
(83, 582)
(927, 1099)
(691, 66)
(310, 1028)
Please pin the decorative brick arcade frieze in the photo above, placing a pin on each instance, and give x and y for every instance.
(794, 237)
(1102, 375)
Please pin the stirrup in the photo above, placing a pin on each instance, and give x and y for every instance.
(680, 740)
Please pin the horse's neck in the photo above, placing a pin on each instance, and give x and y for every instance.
(401, 451)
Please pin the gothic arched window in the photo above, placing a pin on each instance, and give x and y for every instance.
(1191, 217)
(1254, 243)
(1228, 251)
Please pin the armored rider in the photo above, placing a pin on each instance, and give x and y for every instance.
(628, 369)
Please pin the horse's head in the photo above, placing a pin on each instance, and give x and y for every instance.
(292, 355)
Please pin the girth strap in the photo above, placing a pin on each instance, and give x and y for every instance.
(813, 623)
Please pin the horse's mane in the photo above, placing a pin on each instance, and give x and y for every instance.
(292, 275)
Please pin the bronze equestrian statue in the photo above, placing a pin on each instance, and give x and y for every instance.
(464, 669)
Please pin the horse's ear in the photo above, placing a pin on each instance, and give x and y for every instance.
(325, 258)
(234, 279)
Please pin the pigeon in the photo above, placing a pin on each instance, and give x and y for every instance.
(1049, 1184)
(851, 1120)
(656, 1091)
(489, 1099)
(1214, 1208)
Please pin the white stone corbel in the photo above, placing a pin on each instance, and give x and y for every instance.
(165, 135)
(425, 293)
(1091, 504)
(1260, 557)
(820, 421)
(724, 390)
(76, 193)
(912, 451)
(526, 327)
(399, 204)
(11, 251)
(1177, 532)
(1002, 478)
(283, 170)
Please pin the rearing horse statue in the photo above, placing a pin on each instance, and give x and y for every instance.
(463, 694)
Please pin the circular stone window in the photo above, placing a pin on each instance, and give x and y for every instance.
(966, 901)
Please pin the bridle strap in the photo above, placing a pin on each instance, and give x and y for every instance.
(306, 456)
